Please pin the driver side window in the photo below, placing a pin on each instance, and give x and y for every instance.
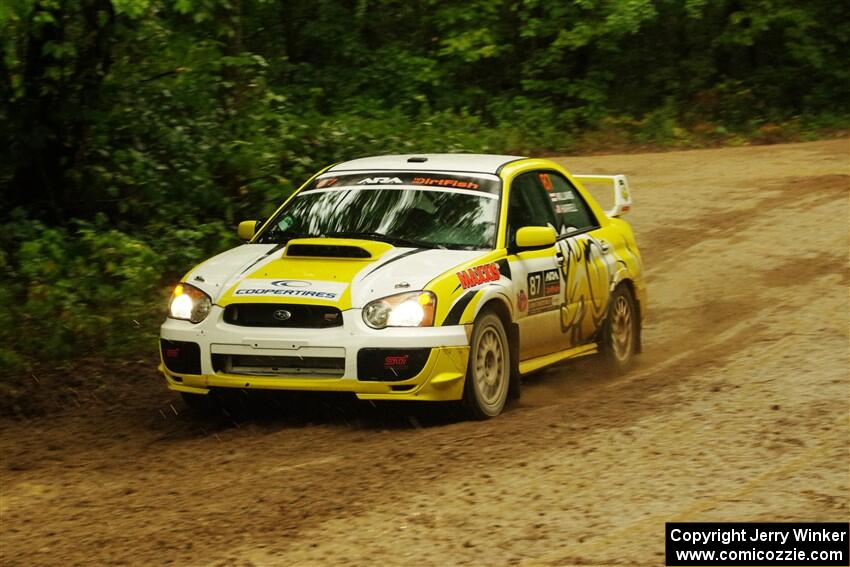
(529, 205)
(572, 212)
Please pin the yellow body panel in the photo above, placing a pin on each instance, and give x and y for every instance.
(447, 287)
(534, 364)
(337, 270)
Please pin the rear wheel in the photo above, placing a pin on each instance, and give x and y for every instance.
(489, 370)
(620, 332)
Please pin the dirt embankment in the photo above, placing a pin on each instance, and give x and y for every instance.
(738, 411)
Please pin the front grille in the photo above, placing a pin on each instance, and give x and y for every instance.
(282, 315)
(259, 365)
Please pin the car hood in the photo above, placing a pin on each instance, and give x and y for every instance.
(342, 272)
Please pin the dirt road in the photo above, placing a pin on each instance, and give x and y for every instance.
(737, 411)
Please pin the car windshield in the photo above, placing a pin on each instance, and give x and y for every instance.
(403, 209)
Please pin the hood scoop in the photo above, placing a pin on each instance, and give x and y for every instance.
(326, 251)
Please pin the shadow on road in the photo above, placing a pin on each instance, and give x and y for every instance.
(229, 409)
(305, 409)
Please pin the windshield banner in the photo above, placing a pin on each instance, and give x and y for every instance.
(447, 181)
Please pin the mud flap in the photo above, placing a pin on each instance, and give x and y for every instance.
(514, 390)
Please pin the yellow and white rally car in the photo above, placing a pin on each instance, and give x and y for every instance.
(413, 277)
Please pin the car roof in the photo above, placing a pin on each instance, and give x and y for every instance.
(472, 163)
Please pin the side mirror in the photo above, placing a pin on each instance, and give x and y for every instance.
(529, 237)
(247, 229)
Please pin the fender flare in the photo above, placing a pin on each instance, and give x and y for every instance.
(619, 276)
(481, 298)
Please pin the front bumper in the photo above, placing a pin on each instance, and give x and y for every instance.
(441, 377)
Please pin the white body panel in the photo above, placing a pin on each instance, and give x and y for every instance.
(215, 336)
(414, 267)
(470, 163)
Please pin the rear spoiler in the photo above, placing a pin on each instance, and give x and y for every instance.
(622, 195)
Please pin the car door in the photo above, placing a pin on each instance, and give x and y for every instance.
(536, 273)
(586, 261)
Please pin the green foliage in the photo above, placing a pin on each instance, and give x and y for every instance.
(140, 131)
(76, 289)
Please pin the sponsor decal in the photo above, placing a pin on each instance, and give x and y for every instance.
(447, 181)
(326, 182)
(504, 268)
(551, 282)
(564, 202)
(314, 289)
(562, 196)
(546, 181)
(536, 306)
(285, 223)
(456, 183)
(565, 208)
(396, 360)
(291, 283)
(522, 300)
(542, 289)
(478, 275)
(379, 181)
(544, 284)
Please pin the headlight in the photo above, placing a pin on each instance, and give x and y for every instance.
(412, 309)
(189, 303)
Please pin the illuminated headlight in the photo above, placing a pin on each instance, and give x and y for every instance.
(413, 309)
(189, 303)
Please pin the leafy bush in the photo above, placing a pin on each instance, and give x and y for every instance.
(78, 290)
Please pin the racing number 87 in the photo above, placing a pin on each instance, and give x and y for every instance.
(535, 285)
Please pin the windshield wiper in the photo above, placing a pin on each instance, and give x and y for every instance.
(465, 247)
(284, 236)
(394, 240)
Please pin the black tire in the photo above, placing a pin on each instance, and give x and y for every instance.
(488, 372)
(620, 332)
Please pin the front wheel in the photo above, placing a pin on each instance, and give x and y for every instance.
(620, 332)
(489, 370)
